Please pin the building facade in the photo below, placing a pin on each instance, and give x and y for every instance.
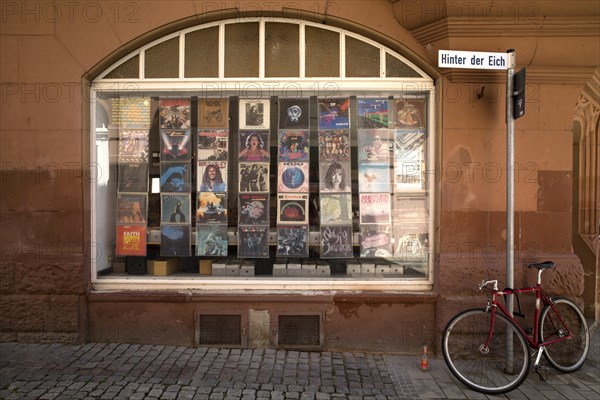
(297, 175)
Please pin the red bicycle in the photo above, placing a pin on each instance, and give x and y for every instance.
(490, 352)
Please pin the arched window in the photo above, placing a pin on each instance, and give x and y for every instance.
(263, 153)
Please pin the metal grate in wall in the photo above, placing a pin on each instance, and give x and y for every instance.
(220, 330)
(299, 330)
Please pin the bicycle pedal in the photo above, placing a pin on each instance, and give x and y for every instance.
(544, 377)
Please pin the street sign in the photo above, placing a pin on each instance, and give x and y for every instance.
(472, 59)
(519, 94)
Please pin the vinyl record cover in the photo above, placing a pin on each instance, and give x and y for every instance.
(293, 113)
(410, 113)
(335, 177)
(374, 177)
(213, 145)
(132, 208)
(213, 113)
(211, 240)
(212, 176)
(334, 145)
(254, 114)
(254, 146)
(336, 209)
(374, 208)
(212, 208)
(294, 145)
(334, 113)
(372, 113)
(133, 146)
(409, 209)
(175, 145)
(292, 209)
(131, 240)
(412, 243)
(175, 177)
(292, 177)
(131, 112)
(374, 145)
(254, 209)
(409, 152)
(292, 241)
(175, 209)
(254, 177)
(175, 240)
(336, 241)
(133, 178)
(253, 242)
(375, 241)
(175, 114)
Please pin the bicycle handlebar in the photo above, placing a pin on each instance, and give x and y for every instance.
(485, 282)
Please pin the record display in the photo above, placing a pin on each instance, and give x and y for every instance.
(292, 177)
(175, 240)
(292, 209)
(175, 114)
(335, 177)
(374, 177)
(293, 113)
(212, 176)
(334, 145)
(213, 113)
(131, 240)
(294, 145)
(374, 145)
(410, 113)
(253, 241)
(373, 113)
(334, 113)
(254, 177)
(175, 209)
(254, 114)
(213, 145)
(132, 208)
(254, 146)
(133, 178)
(212, 208)
(292, 241)
(375, 241)
(254, 209)
(375, 208)
(175, 177)
(336, 241)
(133, 146)
(336, 209)
(211, 240)
(175, 145)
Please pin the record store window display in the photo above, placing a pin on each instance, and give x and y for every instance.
(316, 188)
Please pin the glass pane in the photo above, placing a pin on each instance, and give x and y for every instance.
(282, 50)
(162, 60)
(129, 69)
(241, 50)
(395, 68)
(362, 59)
(202, 53)
(322, 52)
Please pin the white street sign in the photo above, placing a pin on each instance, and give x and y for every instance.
(472, 59)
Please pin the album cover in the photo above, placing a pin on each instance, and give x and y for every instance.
(133, 146)
(374, 177)
(212, 176)
(175, 209)
(254, 177)
(132, 208)
(131, 112)
(409, 209)
(334, 113)
(292, 177)
(175, 145)
(213, 113)
(175, 177)
(410, 113)
(409, 153)
(133, 178)
(294, 145)
(336, 241)
(213, 145)
(375, 208)
(254, 209)
(212, 208)
(375, 241)
(253, 242)
(211, 240)
(292, 209)
(336, 209)
(254, 114)
(175, 114)
(372, 113)
(175, 240)
(292, 241)
(294, 113)
(374, 145)
(412, 243)
(335, 177)
(131, 240)
(334, 145)
(254, 146)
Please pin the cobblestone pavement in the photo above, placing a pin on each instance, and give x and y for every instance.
(123, 371)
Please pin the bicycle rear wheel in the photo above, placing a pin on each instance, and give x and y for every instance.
(568, 355)
(501, 367)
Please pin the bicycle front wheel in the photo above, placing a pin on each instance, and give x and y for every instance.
(567, 355)
(498, 368)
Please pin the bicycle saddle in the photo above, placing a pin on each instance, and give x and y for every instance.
(542, 265)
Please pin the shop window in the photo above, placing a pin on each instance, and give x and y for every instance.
(130, 69)
(162, 60)
(236, 181)
(322, 53)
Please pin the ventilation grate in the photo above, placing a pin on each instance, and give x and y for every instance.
(299, 330)
(220, 330)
